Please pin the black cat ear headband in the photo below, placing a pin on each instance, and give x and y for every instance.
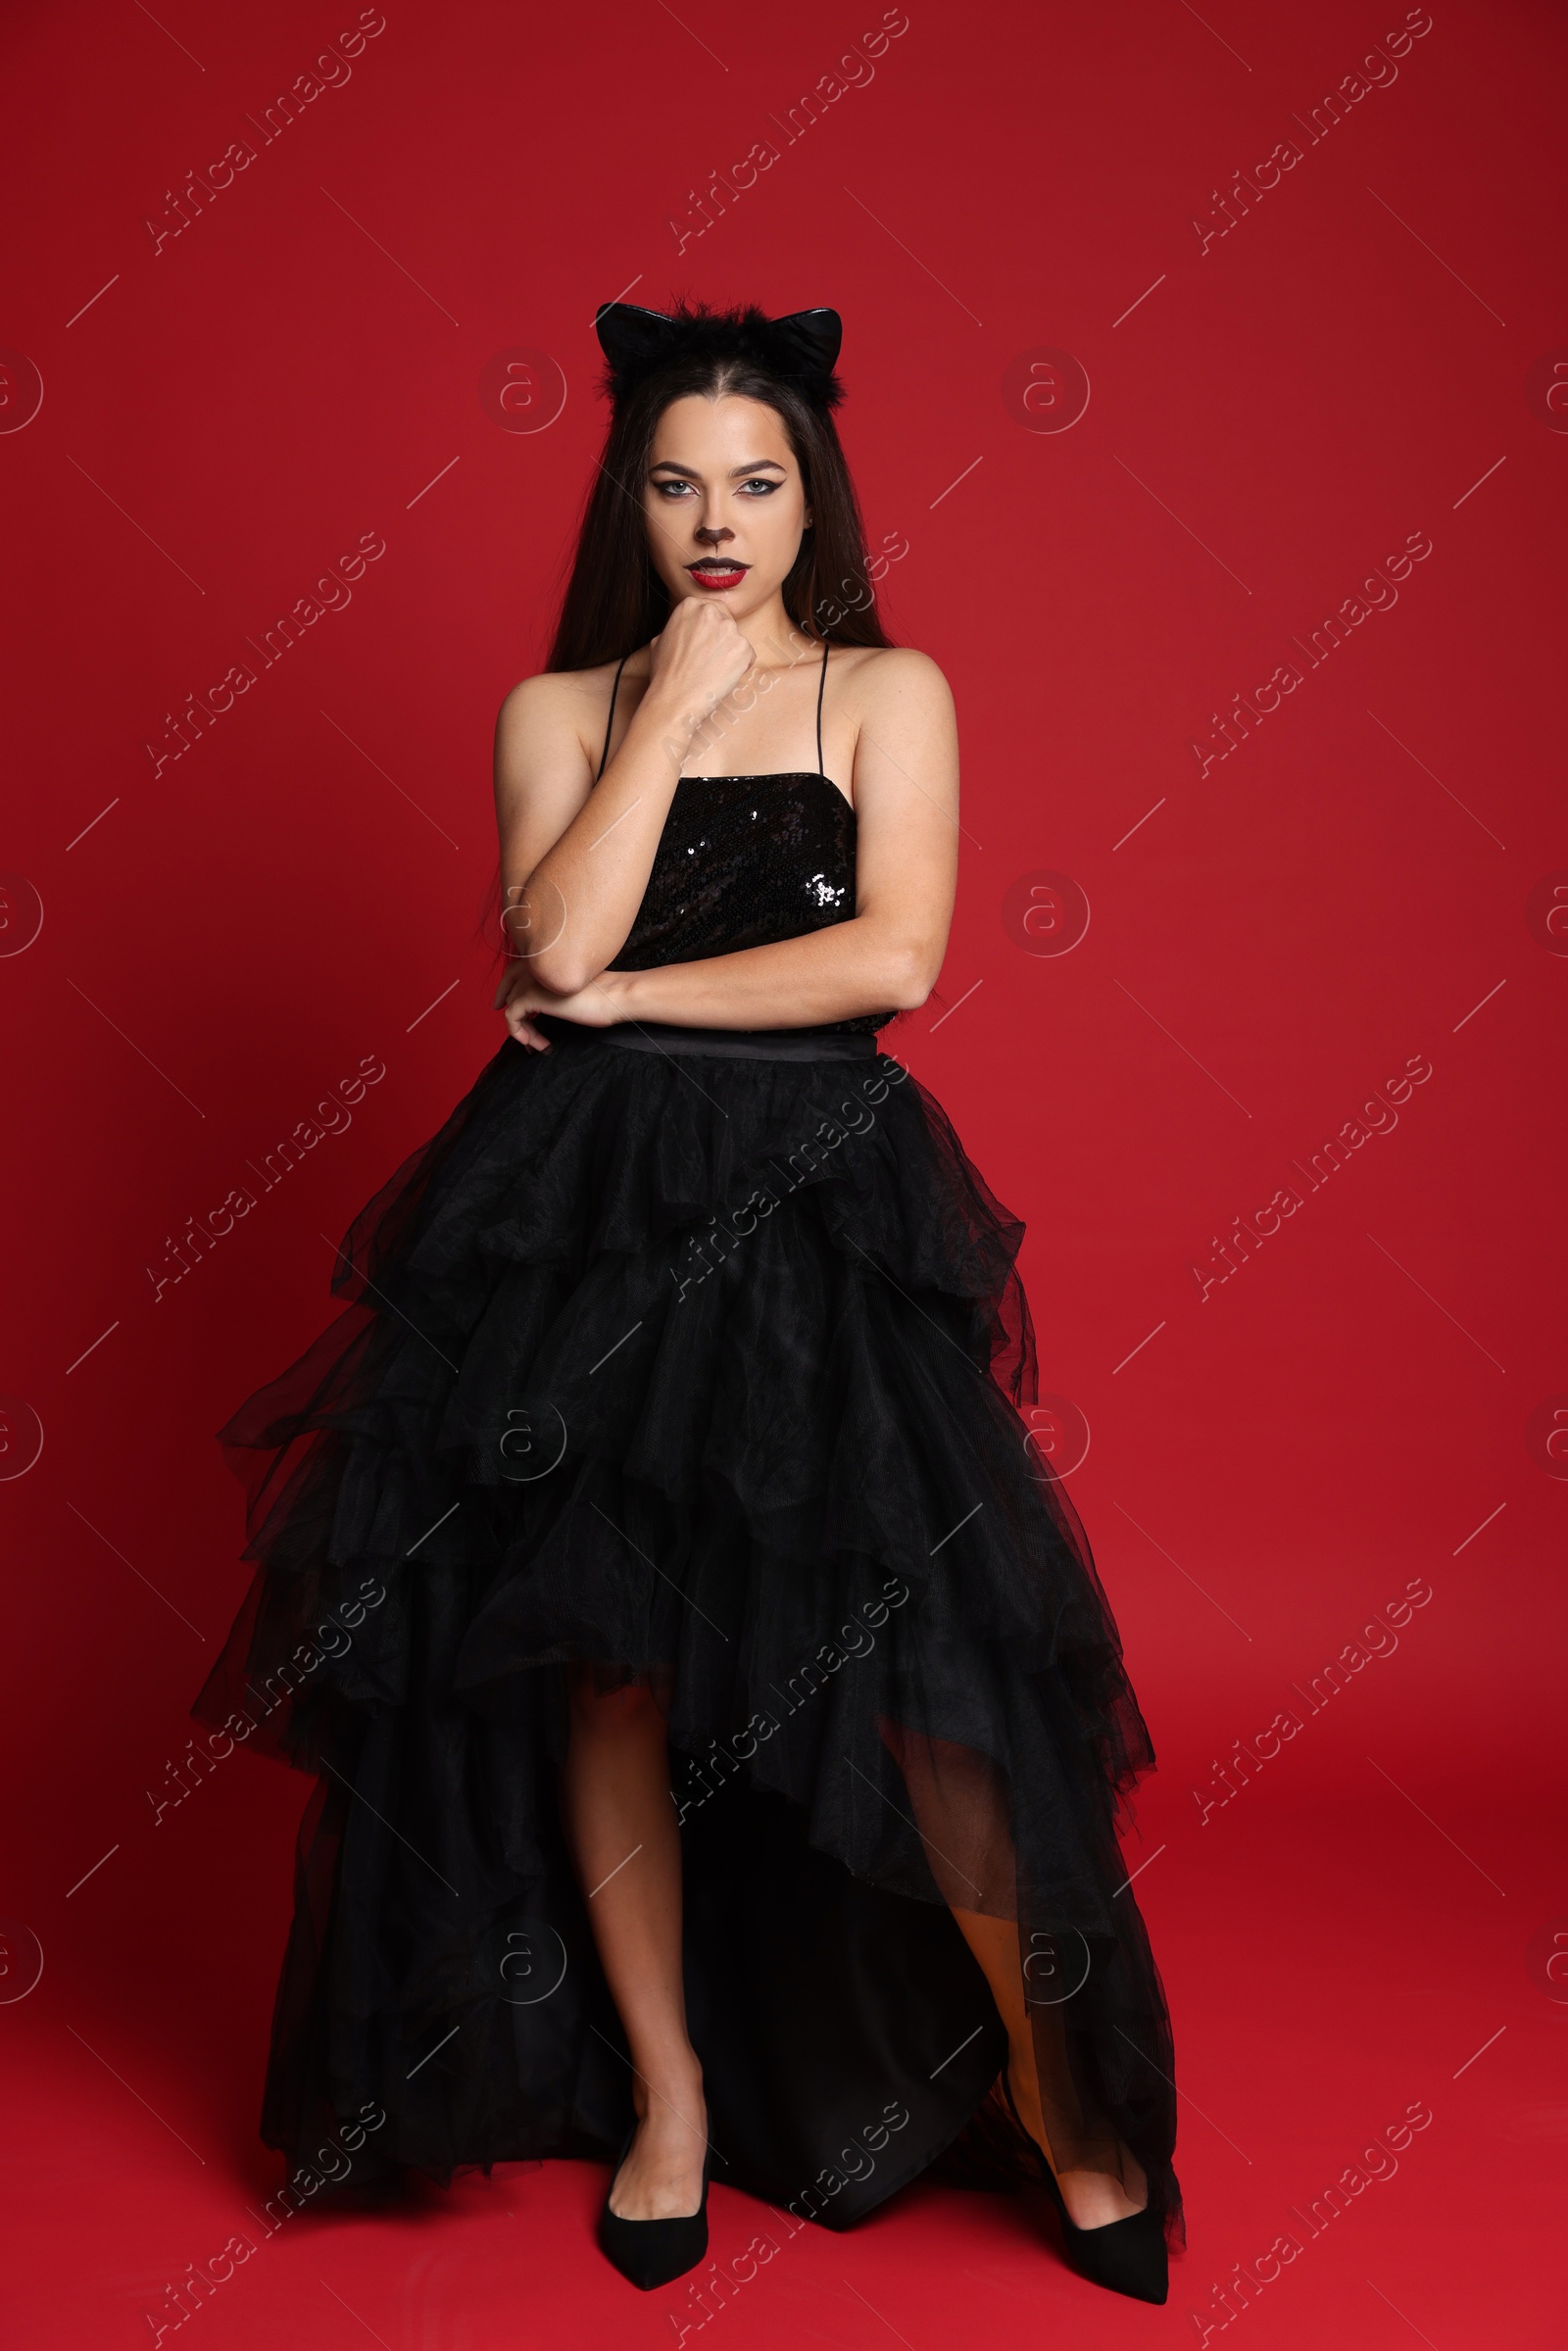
(801, 348)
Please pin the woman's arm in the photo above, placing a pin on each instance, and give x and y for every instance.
(887, 957)
(575, 855)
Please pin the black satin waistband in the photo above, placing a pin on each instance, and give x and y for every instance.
(734, 1045)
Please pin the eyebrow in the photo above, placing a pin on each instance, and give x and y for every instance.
(669, 464)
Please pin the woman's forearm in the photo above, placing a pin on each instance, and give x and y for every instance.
(853, 967)
(574, 913)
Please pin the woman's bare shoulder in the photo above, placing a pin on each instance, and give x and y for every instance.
(556, 715)
(556, 694)
(885, 676)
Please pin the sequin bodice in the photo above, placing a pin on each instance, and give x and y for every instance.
(745, 860)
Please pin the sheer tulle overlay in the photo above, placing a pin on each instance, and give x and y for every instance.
(709, 1372)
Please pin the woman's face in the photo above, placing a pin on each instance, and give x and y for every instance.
(724, 501)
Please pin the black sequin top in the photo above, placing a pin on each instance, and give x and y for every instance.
(746, 860)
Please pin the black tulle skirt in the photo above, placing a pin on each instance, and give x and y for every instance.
(705, 1368)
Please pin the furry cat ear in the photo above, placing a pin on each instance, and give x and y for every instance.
(800, 348)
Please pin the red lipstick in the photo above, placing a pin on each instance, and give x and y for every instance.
(710, 573)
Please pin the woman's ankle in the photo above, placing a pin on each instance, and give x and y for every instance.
(675, 2093)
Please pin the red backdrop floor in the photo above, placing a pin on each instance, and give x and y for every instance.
(1338, 1969)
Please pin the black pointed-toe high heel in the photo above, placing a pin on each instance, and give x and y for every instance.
(650, 2253)
(1126, 2257)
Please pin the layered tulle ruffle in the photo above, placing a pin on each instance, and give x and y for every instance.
(713, 1372)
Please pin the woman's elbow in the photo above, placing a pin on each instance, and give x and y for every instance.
(912, 975)
(560, 969)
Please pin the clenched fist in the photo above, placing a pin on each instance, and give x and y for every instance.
(699, 657)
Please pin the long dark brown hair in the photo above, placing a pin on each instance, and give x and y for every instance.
(614, 599)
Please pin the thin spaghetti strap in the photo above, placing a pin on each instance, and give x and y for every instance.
(610, 720)
(821, 685)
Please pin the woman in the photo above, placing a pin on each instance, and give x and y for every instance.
(718, 1724)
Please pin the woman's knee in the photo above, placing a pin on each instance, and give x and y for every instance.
(599, 1707)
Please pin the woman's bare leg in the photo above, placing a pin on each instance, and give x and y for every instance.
(621, 1824)
(1092, 2197)
(959, 1801)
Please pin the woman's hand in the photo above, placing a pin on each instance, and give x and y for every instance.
(598, 1005)
(698, 657)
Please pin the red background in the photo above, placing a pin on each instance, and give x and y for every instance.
(1362, 357)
